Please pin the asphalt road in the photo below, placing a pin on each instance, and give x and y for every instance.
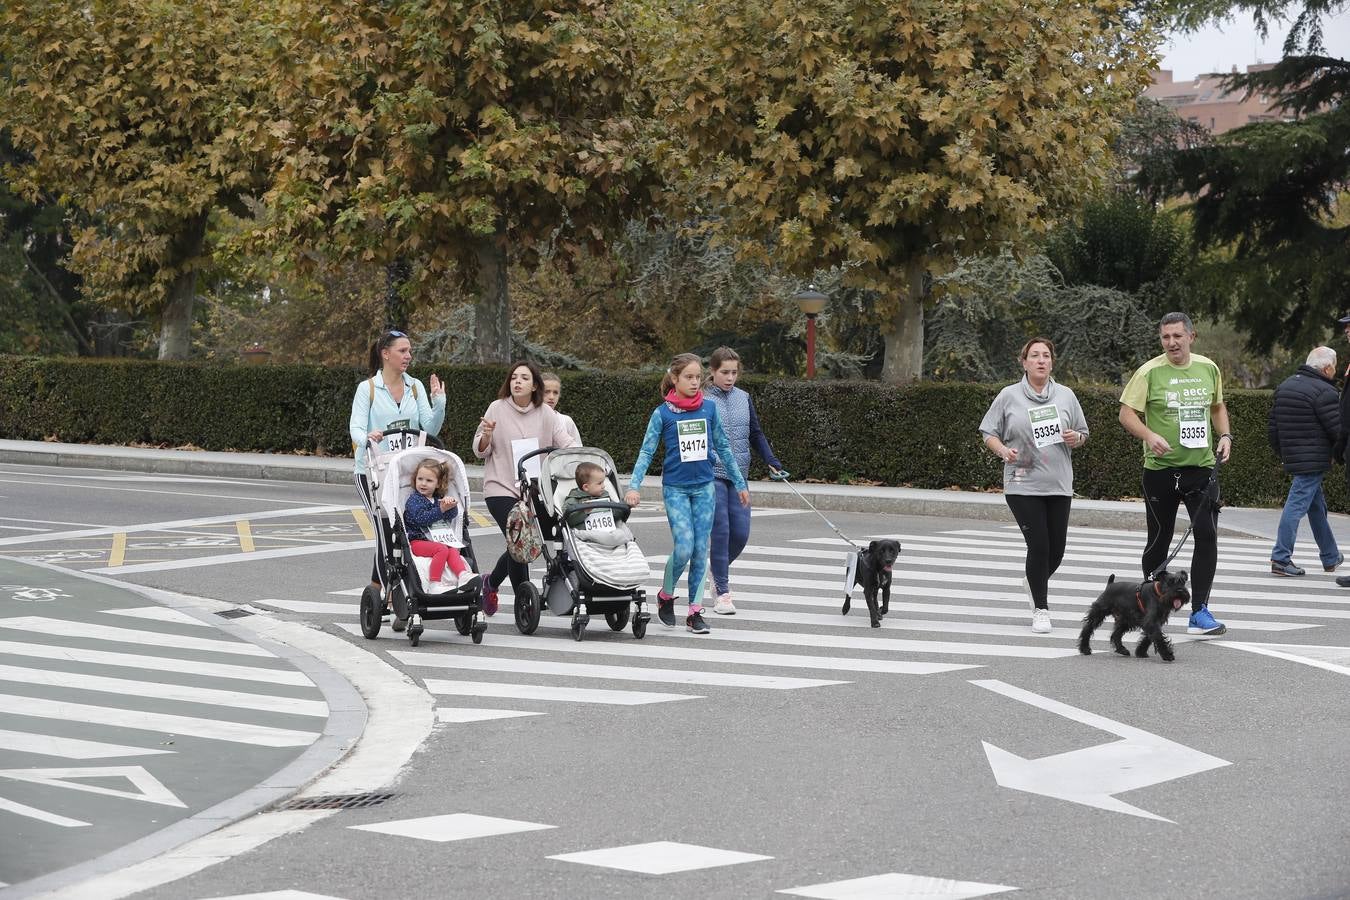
(793, 749)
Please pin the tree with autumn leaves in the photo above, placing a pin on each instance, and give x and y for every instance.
(131, 113)
(444, 139)
(894, 136)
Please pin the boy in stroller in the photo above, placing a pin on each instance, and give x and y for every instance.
(427, 515)
(591, 486)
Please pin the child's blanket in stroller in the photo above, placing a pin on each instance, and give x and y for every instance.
(621, 565)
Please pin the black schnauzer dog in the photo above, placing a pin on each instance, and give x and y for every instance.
(874, 574)
(1145, 606)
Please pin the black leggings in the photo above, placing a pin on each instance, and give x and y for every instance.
(1044, 520)
(519, 573)
(1164, 491)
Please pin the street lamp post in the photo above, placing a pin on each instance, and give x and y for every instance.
(812, 303)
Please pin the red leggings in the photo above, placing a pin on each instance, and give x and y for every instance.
(441, 555)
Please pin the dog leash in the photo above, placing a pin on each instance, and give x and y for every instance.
(783, 478)
(1212, 483)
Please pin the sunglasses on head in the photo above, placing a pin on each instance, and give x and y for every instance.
(392, 333)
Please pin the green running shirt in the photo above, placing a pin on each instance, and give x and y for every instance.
(1172, 397)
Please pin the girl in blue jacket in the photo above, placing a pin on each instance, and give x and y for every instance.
(690, 429)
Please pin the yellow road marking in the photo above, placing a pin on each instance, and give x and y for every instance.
(364, 521)
(480, 519)
(119, 549)
(245, 536)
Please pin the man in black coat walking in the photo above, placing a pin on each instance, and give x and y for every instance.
(1304, 427)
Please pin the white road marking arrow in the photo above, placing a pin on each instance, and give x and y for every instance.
(1092, 775)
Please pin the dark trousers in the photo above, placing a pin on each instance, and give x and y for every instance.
(1044, 521)
(519, 573)
(1164, 491)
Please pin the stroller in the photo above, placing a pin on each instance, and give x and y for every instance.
(581, 576)
(405, 578)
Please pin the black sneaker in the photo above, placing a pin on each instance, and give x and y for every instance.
(694, 622)
(665, 609)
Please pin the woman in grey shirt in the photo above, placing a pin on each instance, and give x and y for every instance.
(1033, 426)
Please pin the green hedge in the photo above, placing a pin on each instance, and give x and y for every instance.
(923, 435)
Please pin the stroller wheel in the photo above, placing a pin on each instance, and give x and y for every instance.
(527, 608)
(579, 626)
(478, 634)
(464, 623)
(618, 621)
(640, 626)
(372, 608)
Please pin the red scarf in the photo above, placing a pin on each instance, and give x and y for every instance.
(684, 404)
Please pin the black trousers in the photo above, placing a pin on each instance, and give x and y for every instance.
(519, 573)
(1164, 491)
(1044, 520)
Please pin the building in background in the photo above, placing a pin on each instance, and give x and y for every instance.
(1203, 101)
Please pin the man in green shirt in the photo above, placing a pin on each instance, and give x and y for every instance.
(1174, 405)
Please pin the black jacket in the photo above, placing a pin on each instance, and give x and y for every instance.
(1305, 422)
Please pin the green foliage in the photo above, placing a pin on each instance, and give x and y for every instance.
(990, 306)
(923, 435)
(1121, 241)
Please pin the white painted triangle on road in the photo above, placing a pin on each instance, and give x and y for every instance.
(149, 789)
(898, 886)
(32, 812)
(159, 614)
(1330, 659)
(143, 662)
(459, 715)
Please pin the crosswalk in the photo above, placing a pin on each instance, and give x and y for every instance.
(957, 604)
(143, 683)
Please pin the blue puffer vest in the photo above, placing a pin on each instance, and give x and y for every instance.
(733, 408)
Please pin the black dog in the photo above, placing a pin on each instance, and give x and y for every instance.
(1145, 606)
(874, 573)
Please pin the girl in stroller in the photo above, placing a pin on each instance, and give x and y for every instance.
(429, 506)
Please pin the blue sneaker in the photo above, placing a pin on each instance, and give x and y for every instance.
(1203, 623)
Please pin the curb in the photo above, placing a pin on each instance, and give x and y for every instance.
(347, 715)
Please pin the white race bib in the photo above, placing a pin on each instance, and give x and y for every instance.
(1045, 427)
(600, 520)
(1194, 425)
(693, 435)
(441, 533)
(397, 442)
(521, 447)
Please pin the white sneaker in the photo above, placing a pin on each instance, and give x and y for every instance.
(724, 606)
(1040, 621)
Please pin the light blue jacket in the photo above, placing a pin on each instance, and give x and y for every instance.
(418, 412)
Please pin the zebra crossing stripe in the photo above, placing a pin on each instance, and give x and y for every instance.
(603, 646)
(163, 691)
(70, 628)
(514, 666)
(153, 663)
(69, 748)
(313, 606)
(210, 729)
(543, 692)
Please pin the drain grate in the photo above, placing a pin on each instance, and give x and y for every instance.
(233, 613)
(337, 801)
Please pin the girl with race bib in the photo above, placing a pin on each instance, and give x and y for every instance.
(1033, 426)
(427, 509)
(389, 400)
(691, 431)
